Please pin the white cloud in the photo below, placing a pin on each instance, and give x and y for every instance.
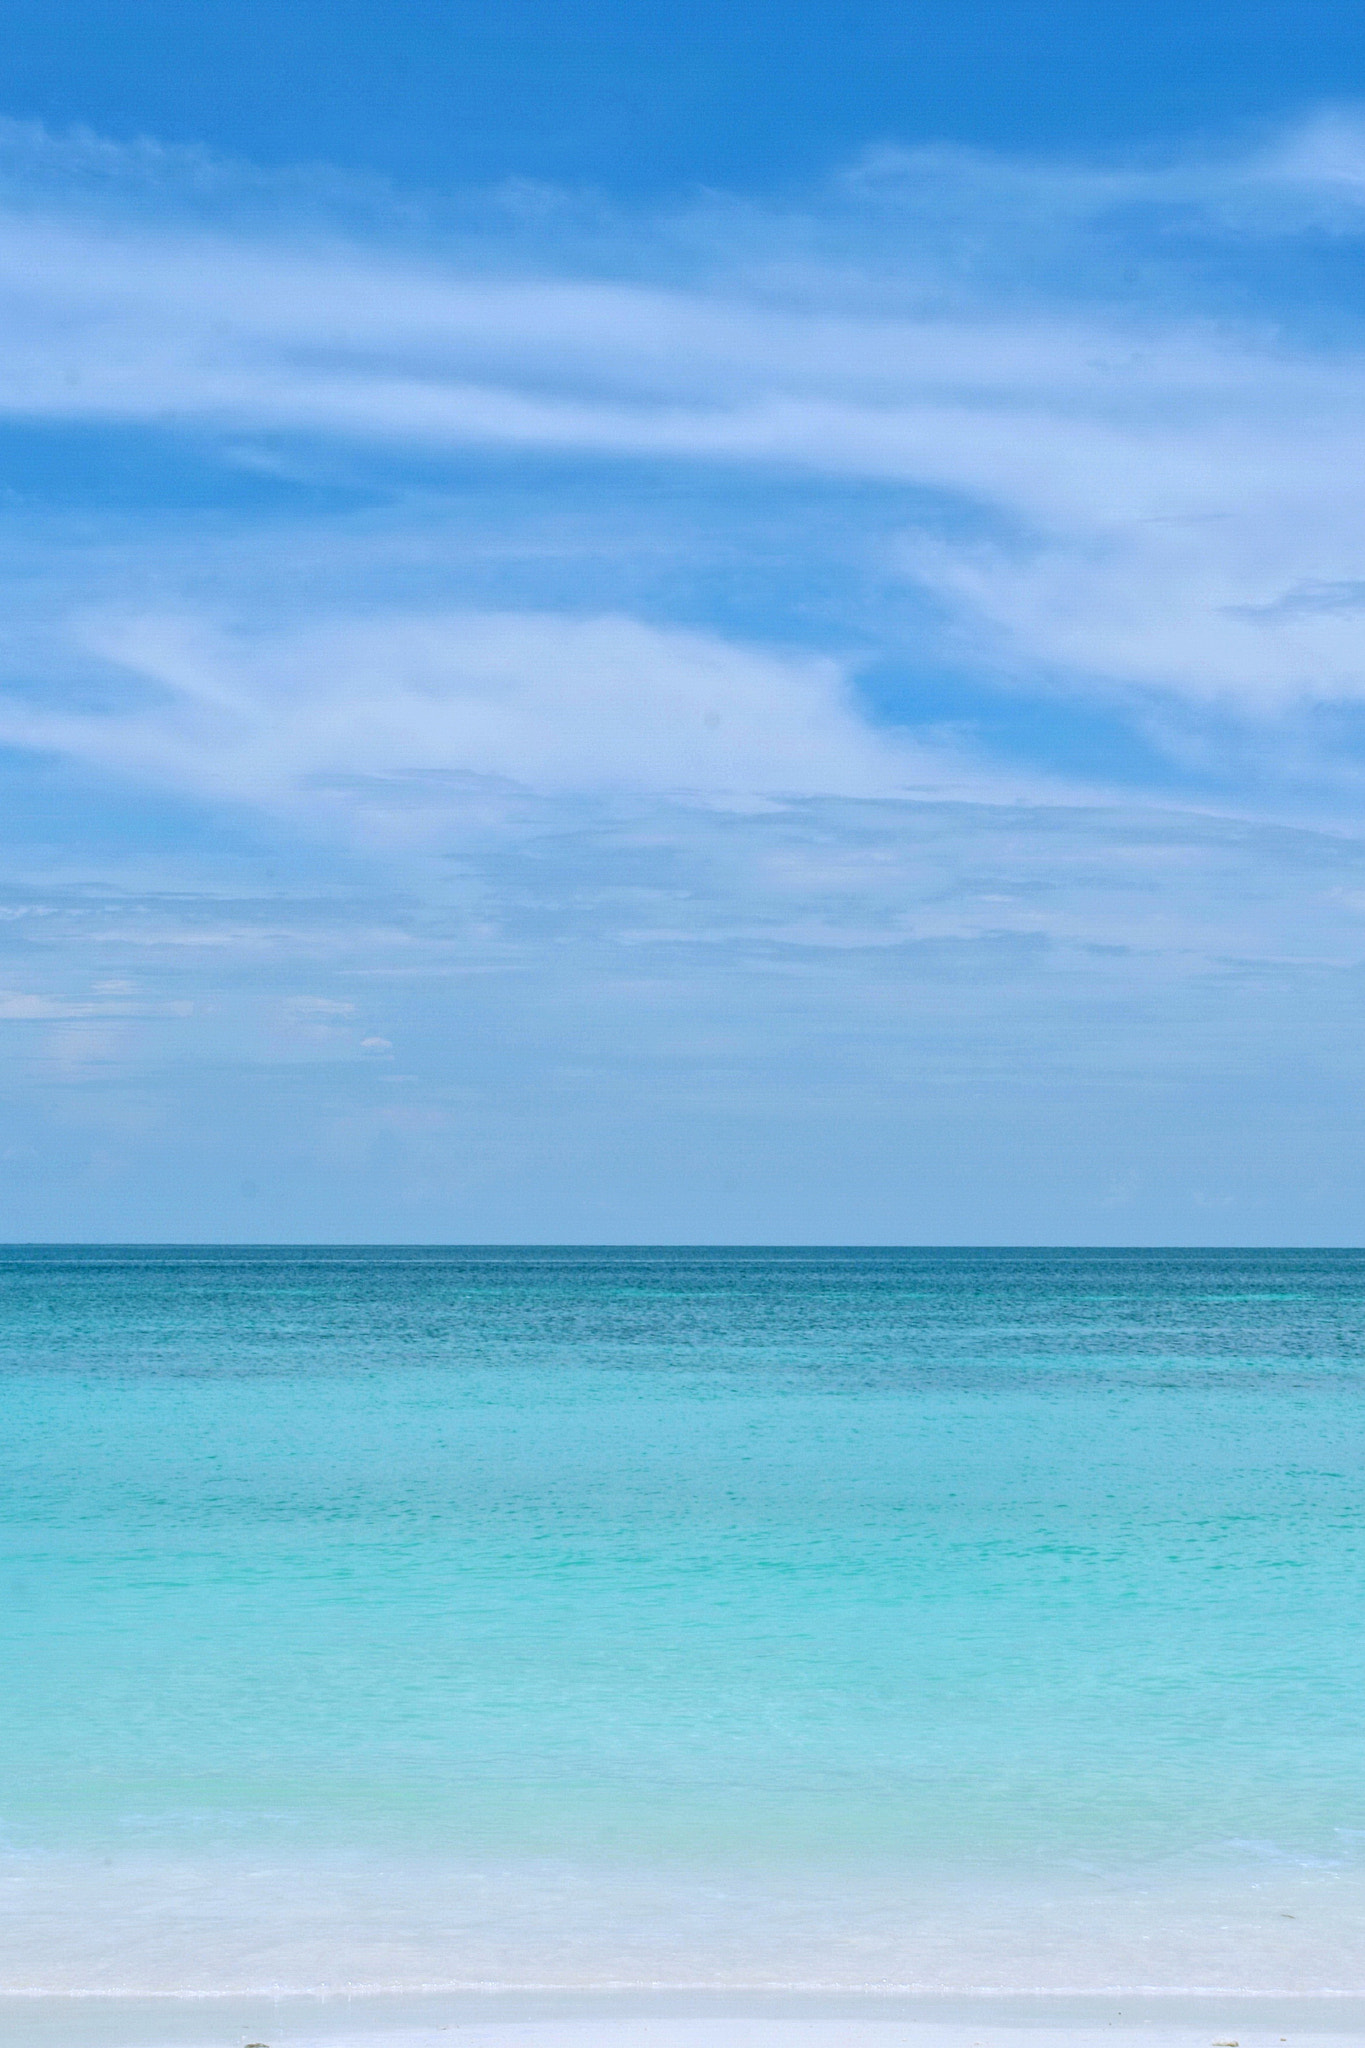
(1308, 175)
(19, 1006)
(1321, 160)
(318, 1007)
(1160, 482)
(545, 702)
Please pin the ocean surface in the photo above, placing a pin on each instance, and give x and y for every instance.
(921, 1619)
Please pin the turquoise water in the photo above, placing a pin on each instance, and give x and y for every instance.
(414, 1617)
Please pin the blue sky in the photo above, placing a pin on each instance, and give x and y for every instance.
(732, 629)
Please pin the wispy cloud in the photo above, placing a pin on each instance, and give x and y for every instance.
(1121, 489)
(547, 702)
(20, 1007)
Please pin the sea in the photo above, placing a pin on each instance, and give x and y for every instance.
(422, 1619)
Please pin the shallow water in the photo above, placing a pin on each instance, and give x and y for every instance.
(573, 1617)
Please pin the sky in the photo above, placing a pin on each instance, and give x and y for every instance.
(743, 627)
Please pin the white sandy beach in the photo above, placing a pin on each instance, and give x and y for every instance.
(631, 2020)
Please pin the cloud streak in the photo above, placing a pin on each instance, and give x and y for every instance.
(1128, 495)
(544, 702)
